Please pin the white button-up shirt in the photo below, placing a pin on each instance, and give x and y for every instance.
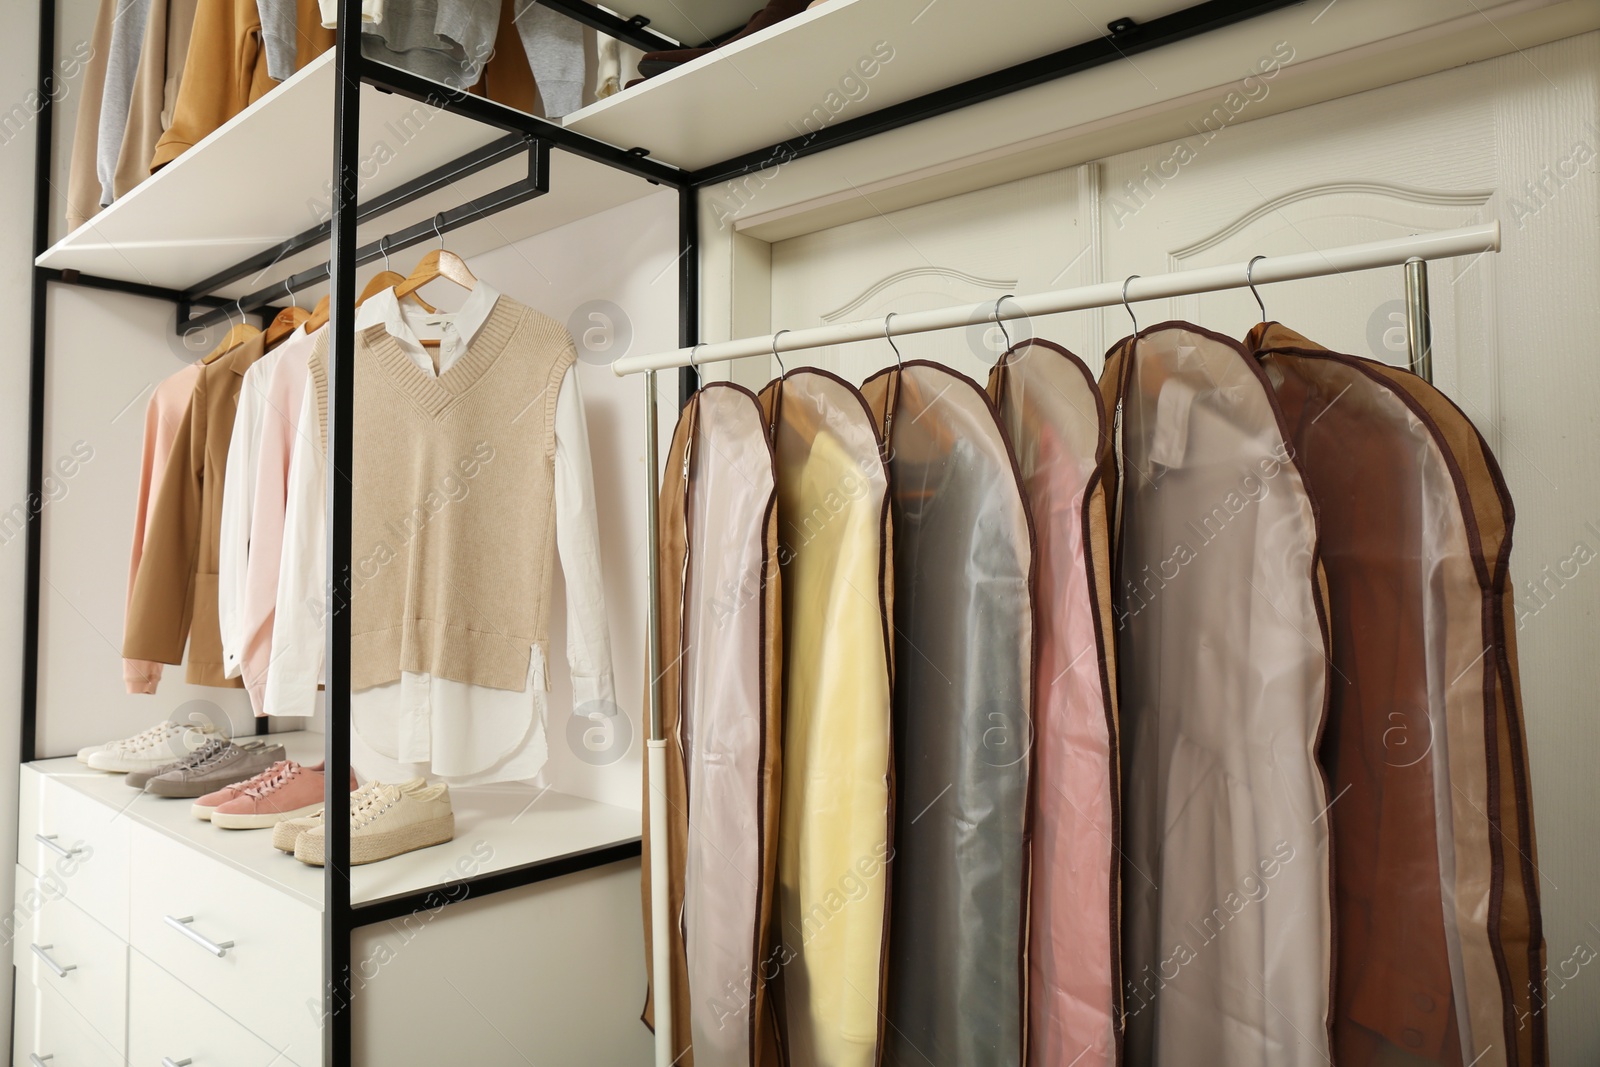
(422, 724)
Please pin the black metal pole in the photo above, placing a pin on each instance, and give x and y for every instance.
(44, 141)
(337, 1037)
(688, 285)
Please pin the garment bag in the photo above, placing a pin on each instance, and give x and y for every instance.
(1053, 413)
(963, 708)
(1222, 662)
(1432, 832)
(834, 846)
(720, 636)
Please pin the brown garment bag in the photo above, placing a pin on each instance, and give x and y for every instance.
(1439, 951)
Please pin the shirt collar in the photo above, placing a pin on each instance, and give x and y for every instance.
(401, 322)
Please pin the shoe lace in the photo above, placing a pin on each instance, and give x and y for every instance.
(220, 750)
(156, 733)
(271, 779)
(202, 755)
(373, 805)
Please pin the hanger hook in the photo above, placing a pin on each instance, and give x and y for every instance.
(781, 367)
(239, 303)
(288, 293)
(1125, 306)
(898, 361)
(1003, 331)
(1249, 269)
(437, 232)
(383, 246)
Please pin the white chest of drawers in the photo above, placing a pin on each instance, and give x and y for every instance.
(144, 936)
(133, 946)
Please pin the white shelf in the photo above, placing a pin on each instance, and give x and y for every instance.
(689, 21)
(262, 178)
(802, 75)
(497, 828)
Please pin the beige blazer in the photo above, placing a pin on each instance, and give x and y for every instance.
(175, 592)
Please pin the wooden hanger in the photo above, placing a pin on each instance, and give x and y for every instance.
(440, 263)
(285, 323)
(236, 336)
(319, 316)
(388, 279)
(435, 265)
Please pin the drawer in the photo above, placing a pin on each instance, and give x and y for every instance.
(48, 1033)
(79, 842)
(250, 949)
(59, 947)
(170, 1023)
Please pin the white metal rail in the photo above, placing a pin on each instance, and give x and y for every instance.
(1444, 244)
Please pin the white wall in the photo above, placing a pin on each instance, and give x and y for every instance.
(17, 76)
(613, 272)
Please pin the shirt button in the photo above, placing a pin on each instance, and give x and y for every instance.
(1423, 1002)
(1411, 1037)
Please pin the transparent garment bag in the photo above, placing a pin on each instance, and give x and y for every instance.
(963, 702)
(1222, 660)
(834, 860)
(720, 707)
(1423, 973)
(1053, 415)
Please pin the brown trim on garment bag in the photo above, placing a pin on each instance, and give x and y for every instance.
(885, 577)
(1033, 654)
(1107, 654)
(1319, 595)
(1494, 584)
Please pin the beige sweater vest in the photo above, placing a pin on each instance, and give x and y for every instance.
(454, 517)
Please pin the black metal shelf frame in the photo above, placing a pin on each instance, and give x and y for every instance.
(199, 307)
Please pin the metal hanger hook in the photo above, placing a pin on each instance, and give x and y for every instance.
(1125, 306)
(898, 361)
(437, 232)
(383, 246)
(1003, 331)
(784, 371)
(1249, 269)
(288, 292)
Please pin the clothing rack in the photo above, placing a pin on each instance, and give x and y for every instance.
(1413, 253)
(199, 305)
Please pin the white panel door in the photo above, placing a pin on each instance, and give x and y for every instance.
(1021, 237)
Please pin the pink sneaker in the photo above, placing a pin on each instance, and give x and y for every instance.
(288, 791)
(207, 805)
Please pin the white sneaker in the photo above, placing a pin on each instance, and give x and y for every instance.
(388, 820)
(158, 746)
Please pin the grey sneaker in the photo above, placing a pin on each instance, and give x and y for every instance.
(229, 764)
(212, 746)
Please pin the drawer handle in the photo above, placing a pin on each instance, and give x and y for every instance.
(49, 842)
(168, 1061)
(61, 972)
(37, 1060)
(218, 949)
